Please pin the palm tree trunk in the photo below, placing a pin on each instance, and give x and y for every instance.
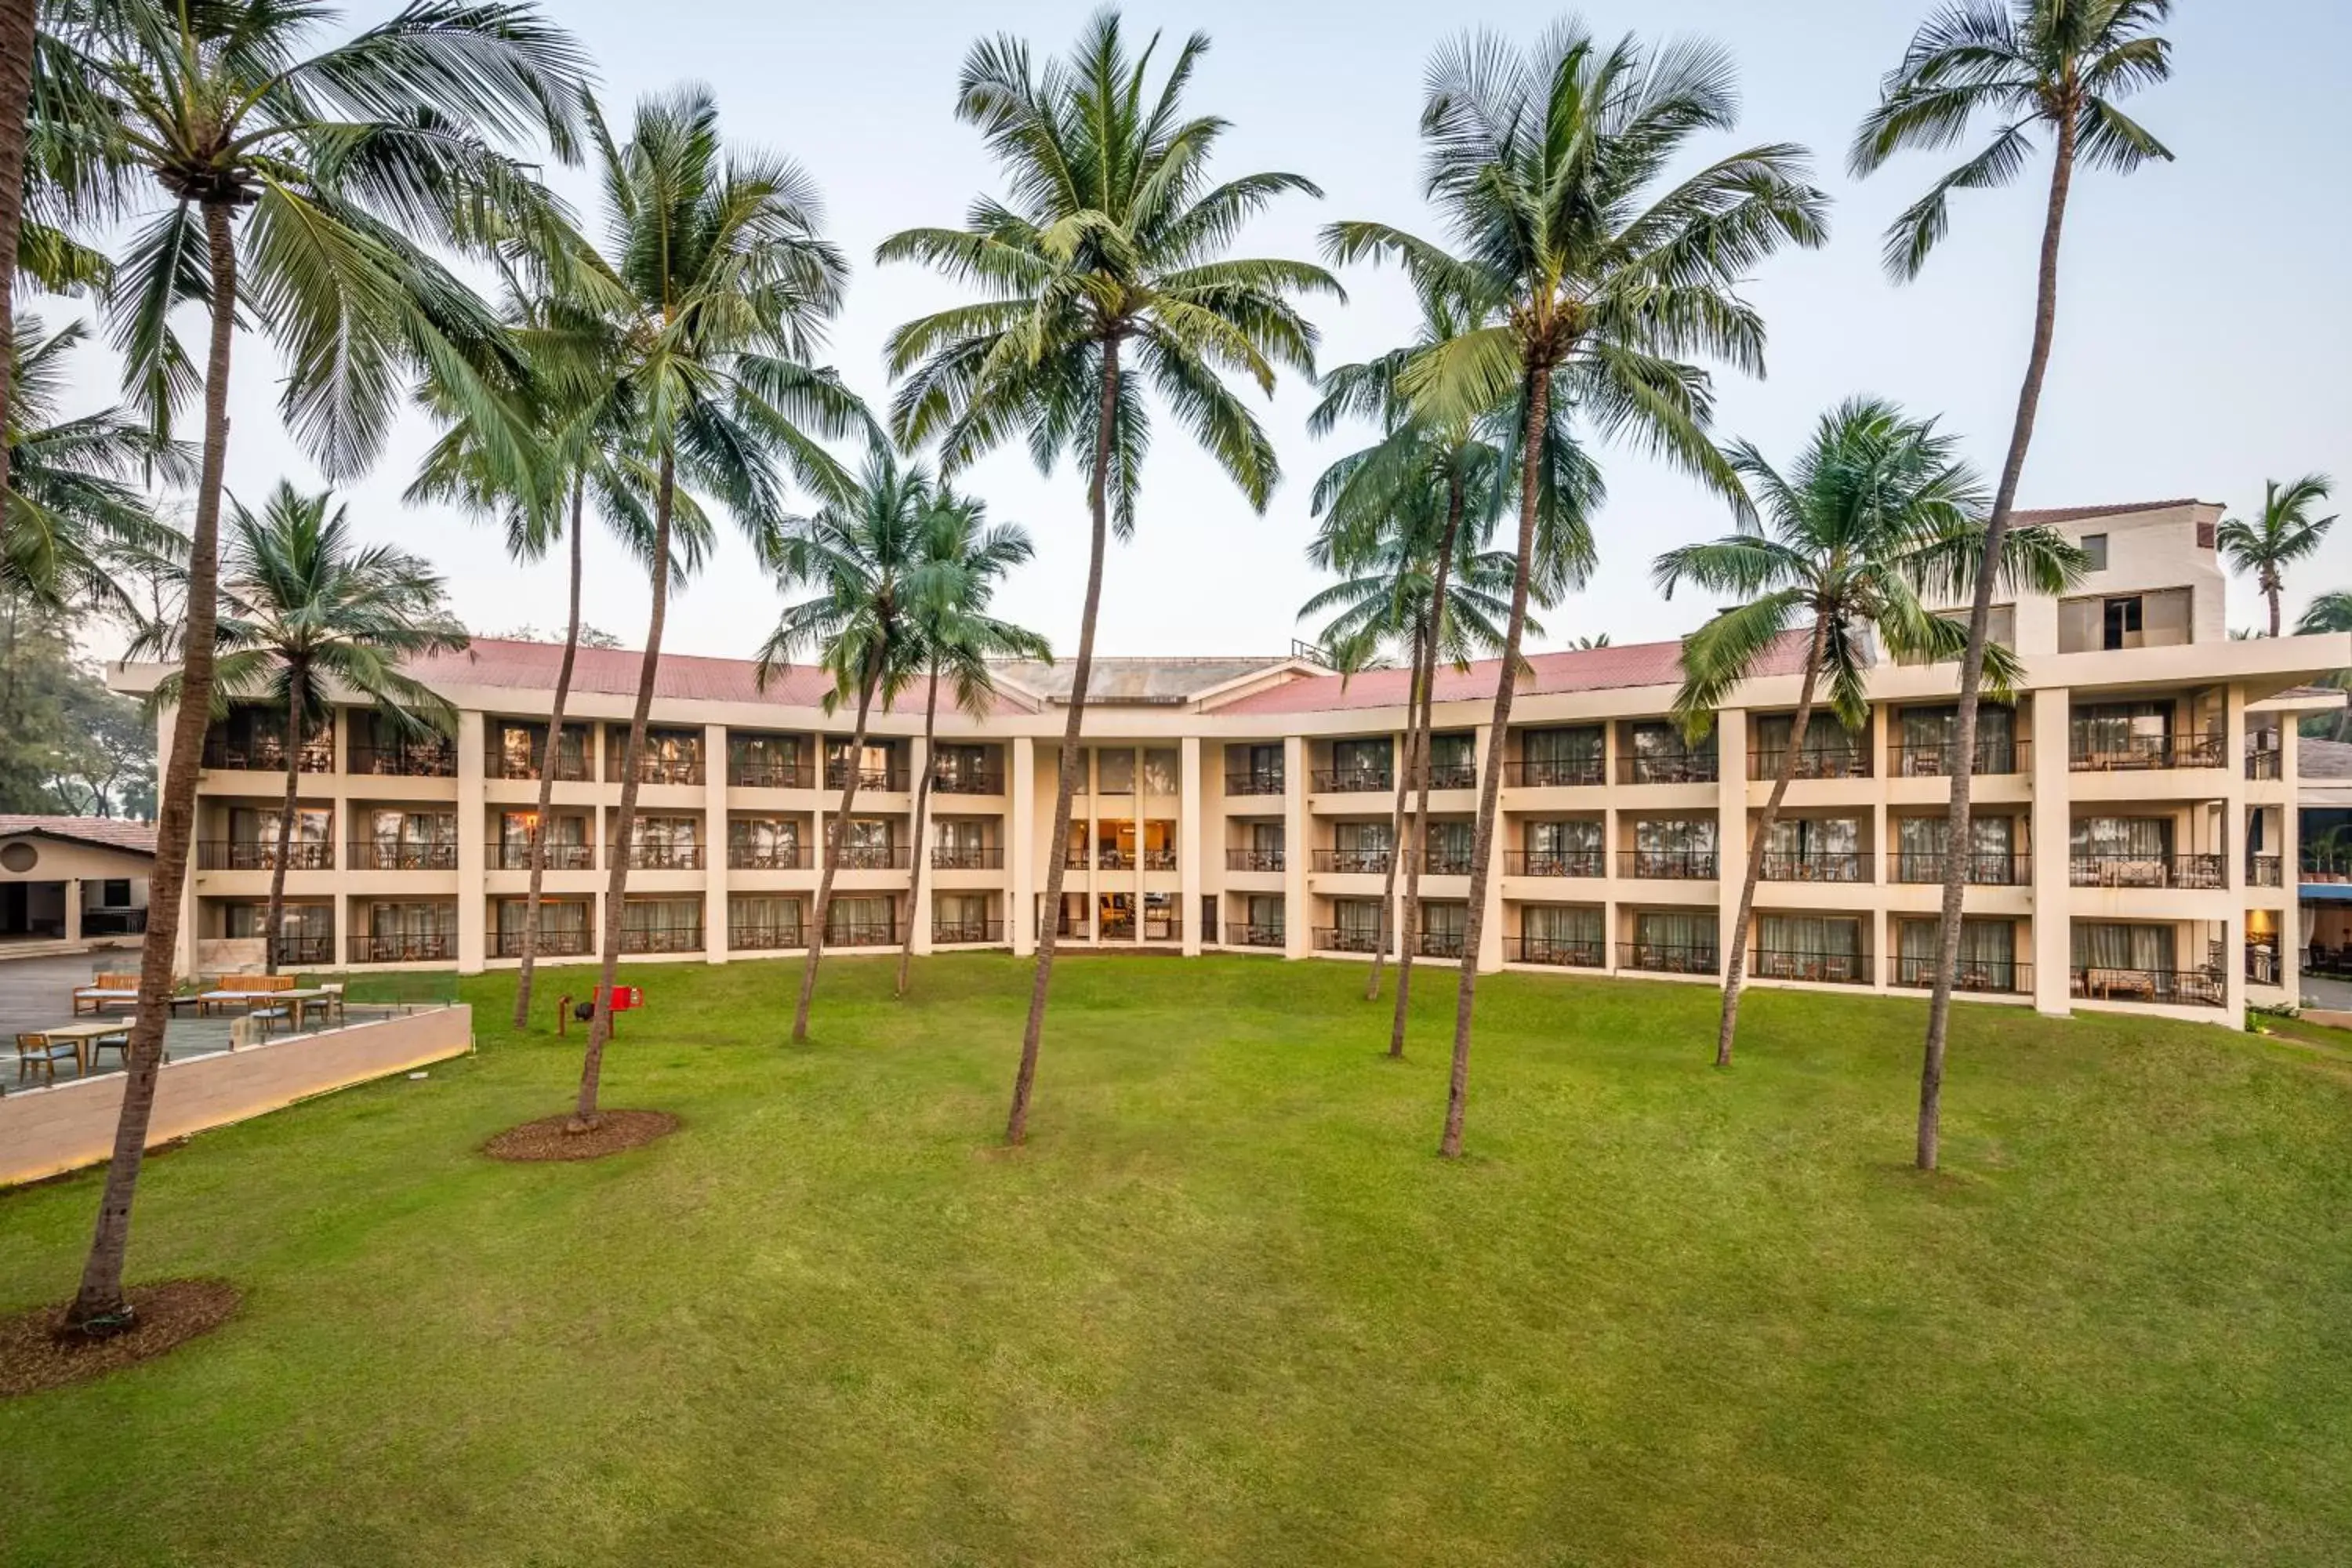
(1957, 838)
(17, 29)
(832, 847)
(1016, 1126)
(1424, 744)
(547, 781)
(2272, 589)
(99, 1307)
(584, 1115)
(918, 854)
(276, 911)
(1404, 764)
(1490, 777)
(1735, 973)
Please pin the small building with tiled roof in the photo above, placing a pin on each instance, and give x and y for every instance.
(73, 879)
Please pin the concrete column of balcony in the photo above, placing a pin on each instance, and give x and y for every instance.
(714, 898)
(473, 909)
(1297, 926)
(1021, 848)
(2054, 930)
(919, 854)
(1190, 804)
(1730, 827)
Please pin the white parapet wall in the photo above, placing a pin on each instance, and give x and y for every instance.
(48, 1130)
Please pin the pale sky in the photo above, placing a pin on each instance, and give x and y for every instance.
(2204, 335)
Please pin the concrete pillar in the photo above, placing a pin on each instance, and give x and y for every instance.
(1297, 925)
(1135, 873)
(73, 909)
(2053, 936)
(715, 938)
(1730, 826)
(1021, 846)
(2234, 960)
(2289, 852)
(473, 845)
(919, 854)
(1490, 931)
(1191, 802)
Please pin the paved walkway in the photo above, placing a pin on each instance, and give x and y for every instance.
(36, 993)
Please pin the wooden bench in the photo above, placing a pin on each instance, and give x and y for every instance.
(105, 990)
(242, 991)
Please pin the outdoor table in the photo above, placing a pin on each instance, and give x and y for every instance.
(80, 1034)
(300, 999)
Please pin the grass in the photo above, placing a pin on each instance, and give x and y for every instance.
(1228, 1308)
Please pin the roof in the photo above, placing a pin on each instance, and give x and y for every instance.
(1581, 670)
(2032, 517)
(2324, 761)
(105, 832)
(1138, 682)
(503, 662)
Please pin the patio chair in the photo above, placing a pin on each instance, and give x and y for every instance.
(40, 1051)
(119, 1044)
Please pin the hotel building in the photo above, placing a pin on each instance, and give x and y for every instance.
(2135, 811)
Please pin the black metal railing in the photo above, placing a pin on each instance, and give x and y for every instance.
(661, 857)
(1996, 977)
(417, 947)
(2205, 873)
(1555, 863)
(367, 854)
(1352, 781)
(1253, 859)
(2266, 763)
(1669, 957)
(1818, 865)
(571, 764)
(304, 952)
(967, 857)
(655, 769)
(2134, 754)
(1074, 860)
(1987, 869)
(951, 778)
(406, 760)
(1159, 860)
(873, 857)
(1812, 763)
(1816, 968)
(268, 756)
(2262, 968)
(1244, 933)
(766, 857)
(1446, 863)
(1356, 862)
(2265, 871)
(1555, 773)
(1350, 939)
(1697, 767)
(551, 943)
(892, 777)
(860, 933)
(1255, 781)
(948, 932)
(1667, 865)
(511, 857)
(1108, 860)
(2171, 987)
(767, 772)
(1441, 943)
(261, 855)
(113, 923)
(1935, 759)
(1453, 776)
(1566, 954)
(764, 936)
(661, 939)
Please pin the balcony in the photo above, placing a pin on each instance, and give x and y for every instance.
(764, 936)
(571, 763)
(2327, 866)
(1669, 957)
(1998, 977)
(303, 951)
(1814, 968)
(1355, 862)
(1812, 763)
(1446, 863)
(422, 947)
(889, 777)
(2163, 987)
(551, 943)
(1555, 773)
(1667, 865)
(653, 768)
(411, 760)
(860, 933)
(2196, 872)
(662, 939)
(1818, 865)
(1245, 934)
(1441, 943)
(873, 858)
(261, 855)
(1352, 781)
(2265, 871)
(266, 754)
(2144, 753)
(766, 857)
(1933, 760)
(967, 857)
(2266, 763)
(1556, 951)
(1702, 767)
(508, 857)
(1453, 776)
(1556, 863)
(369, 856)
(949, 778)
(1257, 781)
(767, 772)
(950, 933)
(1334, 939)
(113, 923)
(1253, 859)
(1074, 860)
(1986, 869)
(650, 856)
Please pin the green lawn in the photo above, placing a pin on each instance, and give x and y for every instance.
(1228, 1308)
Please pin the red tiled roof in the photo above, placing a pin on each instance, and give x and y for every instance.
(105, 832)
(613, 671)
(1581, 670)
(2033, 518)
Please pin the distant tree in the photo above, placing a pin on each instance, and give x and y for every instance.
(2329, 612)
(2282, 534)
(66, 744)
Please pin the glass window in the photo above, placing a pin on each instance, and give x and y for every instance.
(2095, 545)
(1360, 758)
(1114, 770)
(2101, 945)
(1162, 773)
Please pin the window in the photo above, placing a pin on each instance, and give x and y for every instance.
(1162, 773)
(2124, 625)
(114, 893)
(2159, 617)
(867, 921)
(1579, 840)
(1550, 927)
(1362, 761)
(1450, 845)
(1115, 771)
(2095, 545)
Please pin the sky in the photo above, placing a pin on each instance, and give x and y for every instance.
(2204, 333)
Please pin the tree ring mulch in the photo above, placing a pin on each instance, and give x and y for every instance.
(617, 1133)
(37, 1351)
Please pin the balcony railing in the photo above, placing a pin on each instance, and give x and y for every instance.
(422, 947)
(662, 856)
(948, 933)
(1555, 773)
(967, 857)
(766, 857)
(767, 772)
(511, 857)
(1995, 977)
(1935, 759)
(1817, 968)
(113, 923)
(571, 764)
(2137, 753)
(2262, 968)
(2266, 763)
(873, 857)
(1355, 862)
(1245, 934)
(1812, 763)
(1818, 865)
(2203, 872)
(411, 760)
(1109, 859)
(1350, 939)
(304, 952)
(261, 855)
(1255, 781)
(2170, 987)
(267, 755)
(2265, 871)
(1562, 952)
(1446, 863)
(552, 943)
(891, 777)
(1453, 776)
(2327, 866)
(1667, 865)
(1441, 943)
(655, 769)
(1669, 957)
(661, 939)
(1253, 859)
(1074, 860)
(764, 936)
(1352, 781)
(1160, 859)
(860, 933)
(1699, 767)
(1987, 869)
(1555, 863)
(952, 779)
(367, 854)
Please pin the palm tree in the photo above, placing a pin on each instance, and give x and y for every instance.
(2284, 533)
(297, 187)
(1877, 506)
(20, 33)
(1105, 273)
(948, 591)
(694, 328)
(311, 614)
(1592, 283)
(865, 555)
(2032, 65)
